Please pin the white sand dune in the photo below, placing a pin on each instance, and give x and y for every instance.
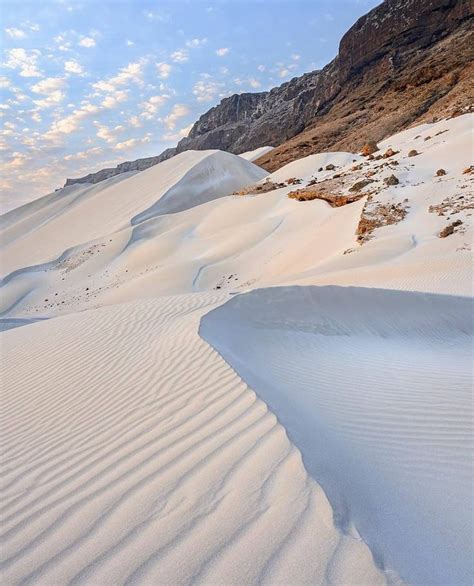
(133, 453)
(144, 459)
(88, 212)
(375, 388)
(256, 153)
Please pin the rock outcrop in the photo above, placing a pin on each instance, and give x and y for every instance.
(138, 165)
(404, 62)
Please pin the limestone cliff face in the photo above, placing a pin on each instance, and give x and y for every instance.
(403, 60)
(264, 118)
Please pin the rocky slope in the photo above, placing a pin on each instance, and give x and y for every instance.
(138, 165)
(404, 62)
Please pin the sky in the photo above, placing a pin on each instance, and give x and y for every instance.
(87, 85)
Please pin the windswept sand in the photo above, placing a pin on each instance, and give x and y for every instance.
(375, 388)
(134, 452)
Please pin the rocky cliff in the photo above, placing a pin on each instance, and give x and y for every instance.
(403, 62)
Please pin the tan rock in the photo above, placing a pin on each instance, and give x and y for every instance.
(369, 148)
(448, 230)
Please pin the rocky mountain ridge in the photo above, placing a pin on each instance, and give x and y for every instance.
(403, 62)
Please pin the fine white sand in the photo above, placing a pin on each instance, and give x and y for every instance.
(375, 388)
(256, 153)
(133, 449)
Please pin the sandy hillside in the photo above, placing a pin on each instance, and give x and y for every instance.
(271, 387)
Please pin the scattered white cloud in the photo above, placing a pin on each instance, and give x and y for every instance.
(84, 154)
(174, 137)
(254, 83)
(177, 111)
(222, 52)
(71, 123)
(196, 43)
(164, 70)
(62, 42)
(110, 102)
(180, 56)
(25, 61)
(152, 105)
(285, 70)
(15, 161)
(132, 142)
(15, 33)
(73, 66)
(154, 16)
(134, 121)
(261, 67)
(108, 134)
(87, 42)
(295, 57)
(207, 88)
(132, 73)
(51, 88)
(129, 43)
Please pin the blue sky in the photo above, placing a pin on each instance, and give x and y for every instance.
(90, 84)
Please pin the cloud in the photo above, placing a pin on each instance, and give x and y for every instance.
(164, 70)
(129, 43)
(25, 61)
(177, 111)
(251, 81)
(48, 85)
(180, 56)
(108, 134)
(261, 67)
(132, 142)
(196, 43)
(71, 123)
(51, 88)
(15, 161)
(109, 102)
(15, 33)
(135, 121)
(206, 89)
(84, 154)
(154, 16)
(295, 57)
(222, 52)
(174, 137)
(73, 66)
(152, 105)
(133, 72)
(87, 42)
(285, 70)
(62, 43)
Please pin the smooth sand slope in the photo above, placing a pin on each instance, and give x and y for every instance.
(133, 452)
(375, 389)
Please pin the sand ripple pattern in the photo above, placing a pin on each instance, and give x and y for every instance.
(133, 454)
